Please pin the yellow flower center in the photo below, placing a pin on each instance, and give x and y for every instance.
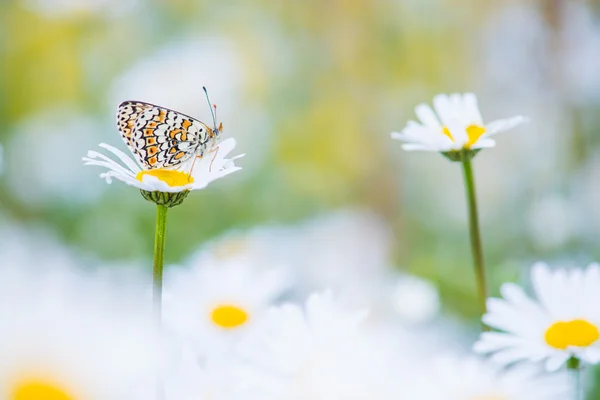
(578, 332)
(229, 316)
(169, 176)
(38, 390)
(474, 132)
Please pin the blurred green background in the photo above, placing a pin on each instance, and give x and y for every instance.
(311, 91)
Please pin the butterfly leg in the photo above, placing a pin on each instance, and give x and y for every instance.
(215, 150)
(192, 168)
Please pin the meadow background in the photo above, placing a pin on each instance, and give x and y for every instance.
(311, 91)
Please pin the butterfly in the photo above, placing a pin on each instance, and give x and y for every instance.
(163, 138)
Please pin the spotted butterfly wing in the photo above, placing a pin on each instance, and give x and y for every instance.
(159, 137)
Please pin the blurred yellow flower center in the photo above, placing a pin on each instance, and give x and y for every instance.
(474, 132)
(447, 132)
(38, 390)
(231, 248)
(578, 333)
(170, 177)
(229, 316)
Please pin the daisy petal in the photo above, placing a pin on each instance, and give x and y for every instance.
(502, 125)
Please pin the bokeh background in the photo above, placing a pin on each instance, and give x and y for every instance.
(311, 90)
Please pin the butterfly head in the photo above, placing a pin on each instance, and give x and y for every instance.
(215, 132)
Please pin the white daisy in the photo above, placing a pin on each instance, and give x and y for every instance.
(459, 378)
(562, 323)
(313, 352)
(205, 170)
(455, 124)
(211, 306)
(64, 336)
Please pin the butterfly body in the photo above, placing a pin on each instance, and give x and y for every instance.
(163, 138)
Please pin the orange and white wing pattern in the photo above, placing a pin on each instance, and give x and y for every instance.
(159, 137)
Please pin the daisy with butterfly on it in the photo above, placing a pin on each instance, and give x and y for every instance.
(173, 153)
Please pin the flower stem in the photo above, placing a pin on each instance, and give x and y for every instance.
(159, 256)
(577, 384)
(475, 235)
(574, 367)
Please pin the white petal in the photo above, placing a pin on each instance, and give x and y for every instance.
(415, 147)
(124, 178)
(493, 341)
(444, 108)
(156, 184)
(556, 361)
(472, 109)
(428, 117)
(122, 156)
(458, 131)
(484, 143)
(502, 125)
(107, 163)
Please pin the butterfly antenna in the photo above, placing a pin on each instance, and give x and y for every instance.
(213, 112)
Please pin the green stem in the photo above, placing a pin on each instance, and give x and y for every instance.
(578, 388)
(159, 256)
(474, 231)
(574, 367)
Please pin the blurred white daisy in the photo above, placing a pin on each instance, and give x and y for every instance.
(205, 170)
(346, 251)
(313, 352)
(415, 300)
(562, 323)
(189, 379)
(459, 378)
(47, 169)
(65, 336)
(455, 124)
(211, 307)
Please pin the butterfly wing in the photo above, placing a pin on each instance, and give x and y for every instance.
(159, 137)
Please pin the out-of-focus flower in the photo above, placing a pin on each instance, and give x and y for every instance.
(211, 307)
(313, 352)
(163, 180)
(346, 251)
(44, 173)
(459, 378)
(69, 336)
(415, 300)
(192, 379)
(563, 323)
(456, 124)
